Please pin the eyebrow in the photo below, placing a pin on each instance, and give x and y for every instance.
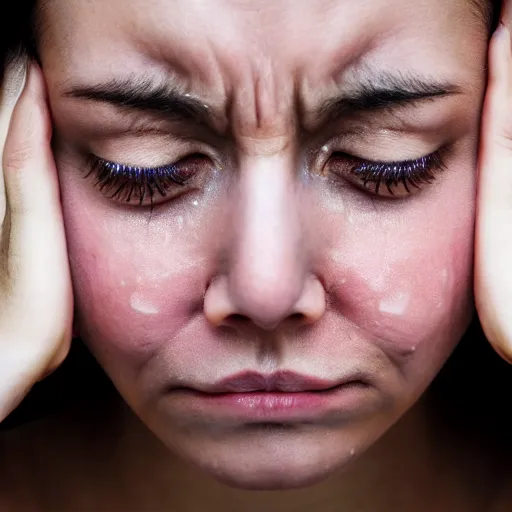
(386, 91)
(485, 10)
(370, 92)
(145, 95)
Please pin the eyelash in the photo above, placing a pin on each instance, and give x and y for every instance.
(124, 182)
(409, 173)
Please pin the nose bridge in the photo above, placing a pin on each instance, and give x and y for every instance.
(267, 271)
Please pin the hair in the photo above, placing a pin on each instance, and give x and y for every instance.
(470, 395)
(488, 10)
(16, 31)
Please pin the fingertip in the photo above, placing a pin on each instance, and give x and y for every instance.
(35, 80)
(30, 128)
(500, 54)
(13, 82)
(12, 86)
(496, 128)
(34, 92)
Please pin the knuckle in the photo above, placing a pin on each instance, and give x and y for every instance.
(16, 158)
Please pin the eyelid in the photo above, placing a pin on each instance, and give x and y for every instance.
(368, 132)
(410, 174)
(385, 145)
(149, 153)
(122, 182)
(430, 124)
(100, 121)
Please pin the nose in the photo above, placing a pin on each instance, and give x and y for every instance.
(267, 280)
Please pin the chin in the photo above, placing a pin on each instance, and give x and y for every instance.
(270, 477)
(272, 461)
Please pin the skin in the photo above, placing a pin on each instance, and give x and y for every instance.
(344, 280)
(492, 275)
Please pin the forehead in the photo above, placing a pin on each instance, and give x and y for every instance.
(254, 60)
(226, 36)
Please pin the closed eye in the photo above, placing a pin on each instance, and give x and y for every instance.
(391, 179)
(143, 185)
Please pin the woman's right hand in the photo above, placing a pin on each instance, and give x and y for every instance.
(36, 301)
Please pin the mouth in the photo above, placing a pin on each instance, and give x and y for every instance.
(279, 397)
(283, 381)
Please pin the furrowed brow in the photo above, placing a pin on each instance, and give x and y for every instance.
(386, 91)
(144, 95)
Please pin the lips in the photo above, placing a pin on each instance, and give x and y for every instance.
(281, 397)
(282, 381)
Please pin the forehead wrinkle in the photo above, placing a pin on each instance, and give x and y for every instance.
(265, 95)
(263, 104)
(361, 59)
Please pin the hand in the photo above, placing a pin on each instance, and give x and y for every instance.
(36, 302)
(493, 250)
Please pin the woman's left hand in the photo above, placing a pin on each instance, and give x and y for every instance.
(493, 250)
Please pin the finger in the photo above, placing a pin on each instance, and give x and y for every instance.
(493, 250)
(34, 264)
(36, 248)
(10, 90)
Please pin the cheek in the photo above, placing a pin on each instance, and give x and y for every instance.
(404, 278)
(398, 272)
(138, 280)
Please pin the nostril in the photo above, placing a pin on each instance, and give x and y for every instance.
(237, 318)
(242, 320)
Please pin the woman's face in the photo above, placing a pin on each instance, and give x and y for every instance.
(264, 200)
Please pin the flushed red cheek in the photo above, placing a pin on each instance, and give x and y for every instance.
(138, 277)
(414, 297)
(134, 317)
(134, 295)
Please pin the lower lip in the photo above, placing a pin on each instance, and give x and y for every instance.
(279, 406)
